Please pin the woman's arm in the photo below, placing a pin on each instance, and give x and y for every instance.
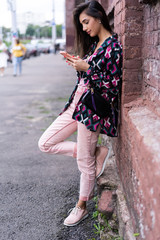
(109, 76)
(77, 63)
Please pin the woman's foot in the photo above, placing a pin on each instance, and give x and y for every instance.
(76, 216)
(102, 155)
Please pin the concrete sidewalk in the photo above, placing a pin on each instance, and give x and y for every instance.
(36, 189)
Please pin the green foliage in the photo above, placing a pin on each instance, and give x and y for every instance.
(45, 31)
(105, 226)
(6, 32)
(8, 44)
(136, 234)
(95, 214)
(99, 228)
(99, 140)
(59, 30)
(25, 41)
(30, 31)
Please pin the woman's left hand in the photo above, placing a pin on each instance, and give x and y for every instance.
(78, 64)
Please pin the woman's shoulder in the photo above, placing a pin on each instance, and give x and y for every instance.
(113, 44)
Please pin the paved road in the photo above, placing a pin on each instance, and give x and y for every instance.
(36, 189)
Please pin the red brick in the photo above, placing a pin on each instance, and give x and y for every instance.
(155, 23)
(133, 27)
(132, 3)
(133, 41)
(118, 8)
(106, 203)
(133, 13)
(118, 18)
(130, 76)
(132, 52)
(132, 64)
(156, 38)
(123, 15)
(158, 23)
(151, 25)
(132, 87)
(147, 12)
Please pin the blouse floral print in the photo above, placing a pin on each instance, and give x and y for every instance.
(105, 72)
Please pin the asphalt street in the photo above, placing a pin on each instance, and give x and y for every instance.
(37, 189)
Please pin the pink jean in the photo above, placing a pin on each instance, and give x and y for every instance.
(52, 141)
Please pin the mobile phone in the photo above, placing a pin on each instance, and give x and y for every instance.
(65, 54)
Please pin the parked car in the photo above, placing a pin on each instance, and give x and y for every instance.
(32, 50)
(45, 47)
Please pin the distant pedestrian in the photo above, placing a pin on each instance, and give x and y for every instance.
(3, 57)
(18, 51)
(98, 70)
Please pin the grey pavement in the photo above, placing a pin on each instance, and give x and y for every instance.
(37, 189)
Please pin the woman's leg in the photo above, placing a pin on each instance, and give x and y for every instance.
(86, 146)
(2, 71)
(15, 66)
(52, 140)
(20, 64)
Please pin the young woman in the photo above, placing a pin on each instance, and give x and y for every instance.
(3, 57)
(18, 52)
(100, 62)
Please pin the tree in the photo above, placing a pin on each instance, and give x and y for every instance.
(59, 30)
(30, 31)
(6, 32)
(45, 31)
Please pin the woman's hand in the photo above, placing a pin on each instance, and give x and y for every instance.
(78, 64)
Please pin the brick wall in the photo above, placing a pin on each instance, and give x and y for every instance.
(137, 147)
(70, 5)
(70, 33)
(151, 55)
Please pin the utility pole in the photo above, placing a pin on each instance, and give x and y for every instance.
(64, 23)
(53, 27)
(12, 7)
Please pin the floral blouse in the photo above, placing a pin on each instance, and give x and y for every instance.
(106, 72)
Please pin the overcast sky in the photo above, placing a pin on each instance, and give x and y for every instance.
(35, 6)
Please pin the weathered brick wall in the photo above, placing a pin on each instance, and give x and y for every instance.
(70, 5)
(137, 147)
(151, 54)
(70, 33)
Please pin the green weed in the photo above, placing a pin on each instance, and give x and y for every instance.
(136, 234)
(106, 226)
(99, 228)
(99, 140)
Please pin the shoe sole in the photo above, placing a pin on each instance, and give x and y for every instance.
(103, 167)
(74, 224)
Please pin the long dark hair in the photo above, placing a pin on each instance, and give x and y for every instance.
(83, 40)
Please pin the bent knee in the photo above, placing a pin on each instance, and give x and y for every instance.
(42, 146)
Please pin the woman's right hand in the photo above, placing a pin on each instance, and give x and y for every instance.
(77, 63)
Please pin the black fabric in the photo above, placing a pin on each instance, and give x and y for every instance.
(98, 104)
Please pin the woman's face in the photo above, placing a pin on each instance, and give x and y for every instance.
(90, 24)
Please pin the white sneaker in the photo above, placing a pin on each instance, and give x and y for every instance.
(76, 216)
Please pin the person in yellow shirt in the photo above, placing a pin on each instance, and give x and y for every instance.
(18, 51)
